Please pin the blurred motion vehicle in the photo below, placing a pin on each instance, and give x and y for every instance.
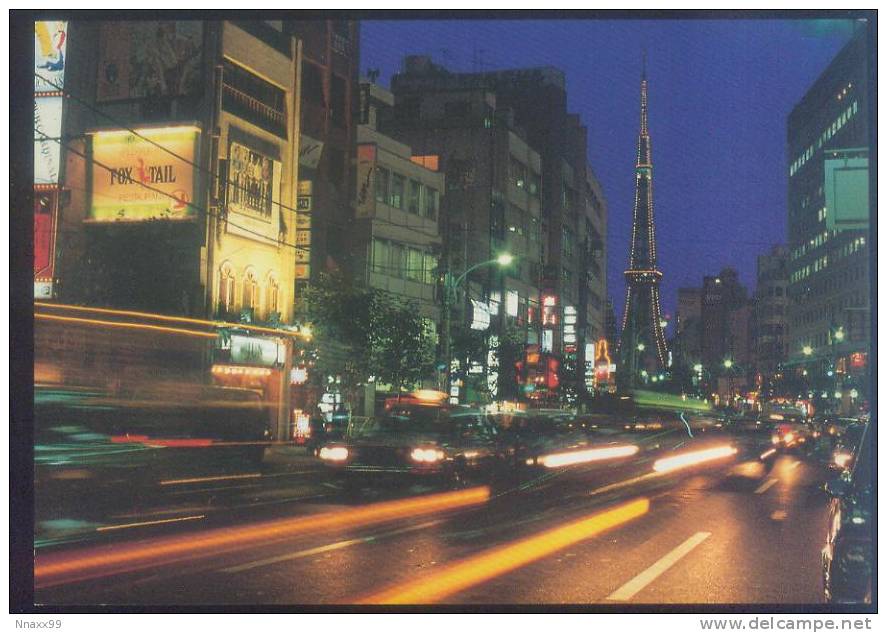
(417, 438)
(321, 432)
(88, 435)
(847, 446)
(790, 430)
(848, 554)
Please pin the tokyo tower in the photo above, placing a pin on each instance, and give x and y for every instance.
(642, 344)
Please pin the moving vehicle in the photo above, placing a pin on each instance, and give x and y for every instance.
(848, 554)
(417, 439)
(846, 447)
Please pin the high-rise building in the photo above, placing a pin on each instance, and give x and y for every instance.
(398, 205)
(687, 345)
(769, 319)
(642, 346)
(328, 133)
(829, 208)
(721, 296)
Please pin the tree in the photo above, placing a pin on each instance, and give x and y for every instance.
(380, 334)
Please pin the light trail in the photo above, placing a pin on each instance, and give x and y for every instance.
(166, 317)
(591, 455)
(132, 326)
(197, 480)
(55, 568)
(107, 528)
(667, 464)
(500, 560)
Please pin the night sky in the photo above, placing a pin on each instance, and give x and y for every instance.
(720, 92)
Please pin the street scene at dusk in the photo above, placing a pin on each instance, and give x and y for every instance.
(452, 313)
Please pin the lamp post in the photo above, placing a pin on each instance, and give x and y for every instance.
(450, 285)
(640, 347)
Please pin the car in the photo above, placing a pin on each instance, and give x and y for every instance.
(846, 447)
(417, 439)
(848, 554)
(322, 432)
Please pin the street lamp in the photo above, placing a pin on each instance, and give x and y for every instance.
(728, 363)
(807, 350)
(697, 368)
(450, 285)
(641, 347)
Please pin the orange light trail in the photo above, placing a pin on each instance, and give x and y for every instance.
(134, 326)
(55, 568)
(668, 464)
(485, 566)
(166, 317)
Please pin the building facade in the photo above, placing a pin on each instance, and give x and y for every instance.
(517, 181)
(180, 168)
(328, 135)
(398, 208)
(687, 345)
(721, 296)
(829, 207)
(769, 320)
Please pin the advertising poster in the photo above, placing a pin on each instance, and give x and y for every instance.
(133, 179)
(44, 208)
(253, 192)
(50, 48)
(149, 59)
(47, 131)
(366, 186)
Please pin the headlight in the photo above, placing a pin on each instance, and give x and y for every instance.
(789, 437)
(426, 455)
(334, 453)
(843, 459)
(775, 439)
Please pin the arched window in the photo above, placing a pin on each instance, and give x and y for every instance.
(250, 290)
(226, 288)
(273, 294)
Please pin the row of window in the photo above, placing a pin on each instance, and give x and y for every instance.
(410, 195)
(822, 262)
(404, 262)
(247, 291)
(524, 178)
(253, 99)
(826, 136)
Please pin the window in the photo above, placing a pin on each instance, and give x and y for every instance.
(430, 268)
(380, 257)
(226, 288)
(250, 291)
(431, 202)
(518, 174)
(382, 185)
(569, 241)
(253, 99)
(535, 184)
(415, 195)
(396, 260)
(415, 263)
(273, 292)
(395, 198)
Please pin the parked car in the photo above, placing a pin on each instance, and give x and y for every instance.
(417, 439)
(846, 447)
(848, 555)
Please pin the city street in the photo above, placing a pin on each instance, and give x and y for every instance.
(737, 532)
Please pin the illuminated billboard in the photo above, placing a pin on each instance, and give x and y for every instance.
(148, 58)
(146, 174)
(253, 193)
(50, 48)
(44, 234)
(47, 132)
(847, 189)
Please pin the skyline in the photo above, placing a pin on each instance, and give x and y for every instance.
(720, 115)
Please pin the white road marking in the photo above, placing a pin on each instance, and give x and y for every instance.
(794, 465)
(764, 487)
(325, 548)
(779, 515)
(633, 586)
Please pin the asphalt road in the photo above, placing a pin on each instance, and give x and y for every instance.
(732, 531)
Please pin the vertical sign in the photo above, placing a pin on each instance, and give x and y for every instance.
(303, 229)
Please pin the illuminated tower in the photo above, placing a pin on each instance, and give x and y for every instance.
(642, 345)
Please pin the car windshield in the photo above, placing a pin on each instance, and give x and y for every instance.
(404, 420)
